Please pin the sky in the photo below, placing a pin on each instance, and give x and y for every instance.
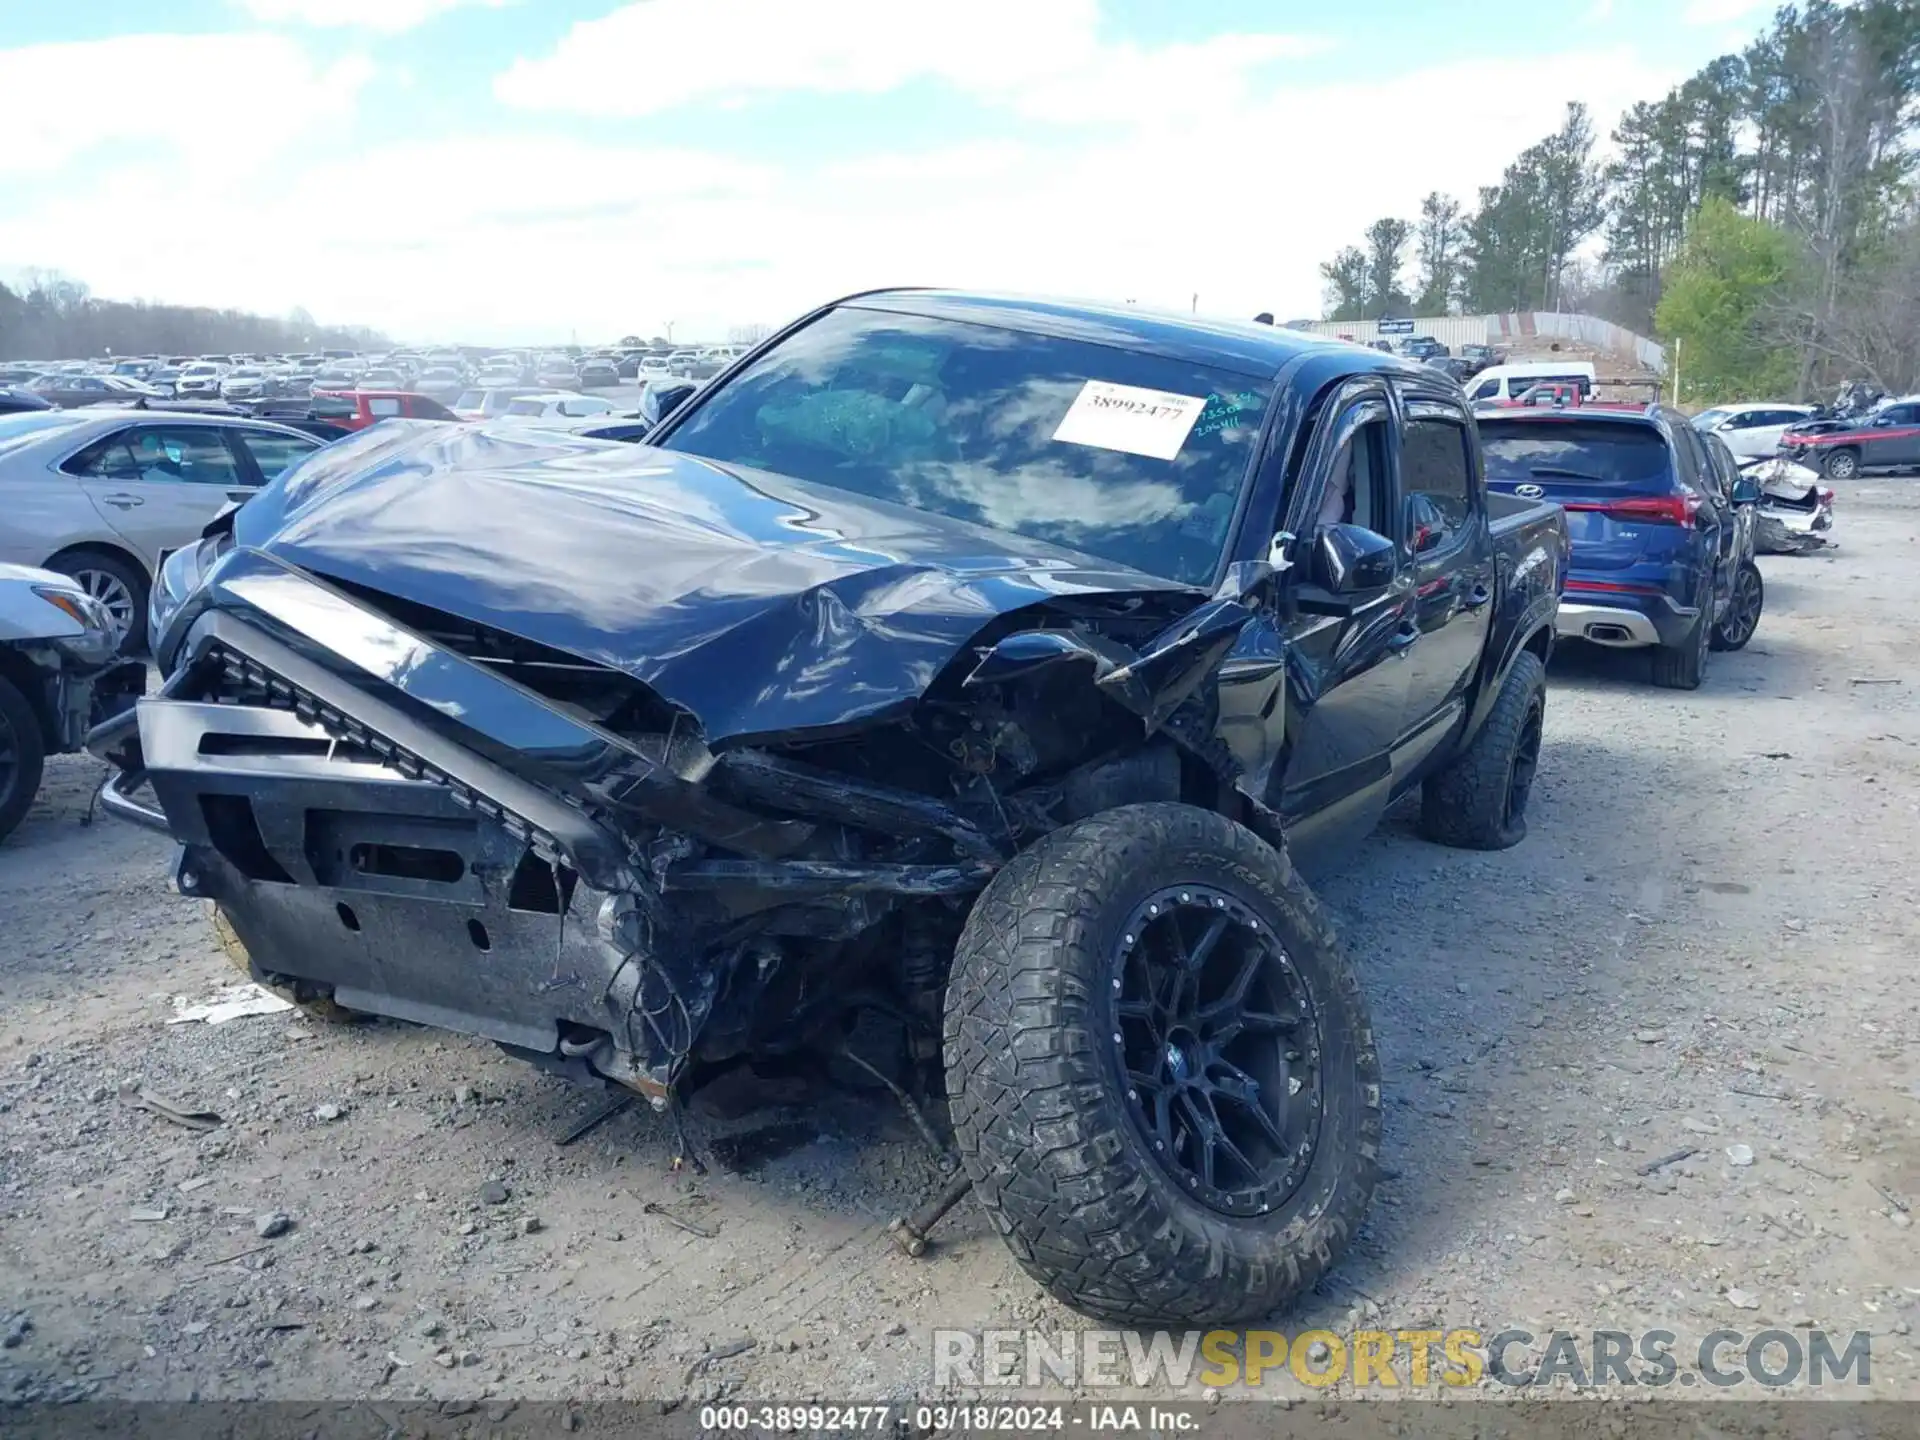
(527, 171)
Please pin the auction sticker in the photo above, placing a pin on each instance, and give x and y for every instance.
(1126, 418)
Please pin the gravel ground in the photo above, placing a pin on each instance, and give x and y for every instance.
(1705, 943)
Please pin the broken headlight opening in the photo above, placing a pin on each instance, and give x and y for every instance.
(181, 576)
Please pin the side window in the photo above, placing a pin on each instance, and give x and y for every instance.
(184, 454)
(274, 453)
(1487, 390)
(1356, 492)
(381, 407)
(107, 459)
(1749, 420)
(1687, 461)
(1434, 462)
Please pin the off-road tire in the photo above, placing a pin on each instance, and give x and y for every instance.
(1466, 804)
(1039, 1112)
(29, 757)
(318, 1007)
(1684, 666)
(1725, 639)
(1841, 464)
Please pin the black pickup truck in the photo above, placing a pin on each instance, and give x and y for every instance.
(962, 663)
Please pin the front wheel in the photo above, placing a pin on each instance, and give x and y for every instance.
(23, 754)
(1160, 1070)
(1742, 618)
(1842, 465)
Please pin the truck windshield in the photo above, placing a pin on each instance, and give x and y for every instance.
(1133, 458)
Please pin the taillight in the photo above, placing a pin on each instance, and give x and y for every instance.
(1654, 509)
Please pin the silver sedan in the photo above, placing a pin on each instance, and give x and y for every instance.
(105, 495)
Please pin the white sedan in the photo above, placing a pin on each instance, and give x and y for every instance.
(556, 404)
(1751, 432)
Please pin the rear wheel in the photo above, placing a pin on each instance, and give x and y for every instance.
(1842, 464)
(1160, 1070)
(1742, 618)
(1479, 802)
(23, 754)
(1684, 666)
(320, 1007)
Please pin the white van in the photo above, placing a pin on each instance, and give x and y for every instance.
(1510, 382)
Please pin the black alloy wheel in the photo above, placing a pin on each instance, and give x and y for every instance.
(1218, 1047)
(1742, 616)
(1526, 762)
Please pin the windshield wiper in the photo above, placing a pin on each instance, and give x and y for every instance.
(1559, 473)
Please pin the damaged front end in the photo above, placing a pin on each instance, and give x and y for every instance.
(420, 815)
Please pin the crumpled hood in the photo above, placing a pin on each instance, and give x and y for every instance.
(757, 603)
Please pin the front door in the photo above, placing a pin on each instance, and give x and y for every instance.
(158, 485)
(1347, 675)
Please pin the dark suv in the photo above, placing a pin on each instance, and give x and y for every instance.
(1655, 519)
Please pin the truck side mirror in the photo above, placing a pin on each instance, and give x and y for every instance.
(1352, 560)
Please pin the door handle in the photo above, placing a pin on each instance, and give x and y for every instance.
(239, 494)
(124, 502)
(1476, 597)
(1404, 638)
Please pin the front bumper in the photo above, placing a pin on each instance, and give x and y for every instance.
(391, 824)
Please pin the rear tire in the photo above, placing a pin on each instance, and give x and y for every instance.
(318, 1007)
(1842, 464)
(1479, 801)
(1749, 598)
(1684, 666)
(1057, 1090)
(23, 755)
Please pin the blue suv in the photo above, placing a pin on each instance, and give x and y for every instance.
(1655, 521)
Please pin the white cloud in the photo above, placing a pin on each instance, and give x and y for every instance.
(1229, 185)
(1722, 12)
(658, 55)
(390, 17)
(209, 100)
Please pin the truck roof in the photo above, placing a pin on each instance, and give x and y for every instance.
(1257, 350)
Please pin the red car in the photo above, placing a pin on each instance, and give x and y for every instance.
(357, 409)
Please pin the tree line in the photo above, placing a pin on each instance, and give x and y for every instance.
(52, 317)
(1763, 214)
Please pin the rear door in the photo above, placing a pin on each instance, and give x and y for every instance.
(1452, 561)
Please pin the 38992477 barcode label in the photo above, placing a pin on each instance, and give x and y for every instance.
(1127, 418)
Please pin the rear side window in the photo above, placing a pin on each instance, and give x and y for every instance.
(383, 407)
(1632, 457)
(1434, 464)
(274, 452)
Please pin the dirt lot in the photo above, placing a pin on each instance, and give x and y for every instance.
(1706, 942)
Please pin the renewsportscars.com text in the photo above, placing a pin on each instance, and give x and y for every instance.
(1393, 1359)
